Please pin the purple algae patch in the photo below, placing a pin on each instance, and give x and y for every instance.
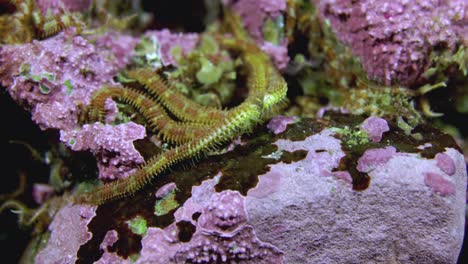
(267, 184)
(438, 184)
(68, 232)
(375, 127)
(375, 157)
(279, 123)
(226, 212)
(165, 190)
(445, 163)
(394, 39)
(112, 145)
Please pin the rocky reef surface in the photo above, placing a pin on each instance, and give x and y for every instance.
(309, 195)
(367, 162)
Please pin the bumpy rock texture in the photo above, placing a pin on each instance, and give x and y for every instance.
(402, 217)
(391, 201)
(68, 233)
(394, 38)
(112, 146)
(54, 78)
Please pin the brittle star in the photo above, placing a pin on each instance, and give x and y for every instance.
(199, 128)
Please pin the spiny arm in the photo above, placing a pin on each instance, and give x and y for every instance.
(240, 119)
(177, 103)
(157, 118)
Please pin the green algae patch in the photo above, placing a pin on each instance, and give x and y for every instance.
(166, 204)
(138, 225)
(351, 137)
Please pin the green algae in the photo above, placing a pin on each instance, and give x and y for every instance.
(138, 225)
(166, 204)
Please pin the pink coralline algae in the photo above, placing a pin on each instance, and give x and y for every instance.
(254, 14)
(279, 123)
(110, 257)
(224, 213)
(112, 146)
(223, 236)
(222, 233)
(53, 77)
(438, 184)
(409, 203)
(375, 157)
(55, 6)
(68, 231)
(240, 247)
(375, 127)
(394, 38)
(316, 162)
(445, 163)
(168, 41)
(165, 190)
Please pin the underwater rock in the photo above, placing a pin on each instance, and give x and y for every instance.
(315, 194)
(394, 40)
(111, 145)
(54, 78)
(68, 232)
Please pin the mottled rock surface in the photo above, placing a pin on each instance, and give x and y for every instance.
(394, 39)
(317, 192)
(68, 231)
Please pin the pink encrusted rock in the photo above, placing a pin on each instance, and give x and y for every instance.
(242, 246)
(159, 246)
(398, 218)
(68, 231)
(438, 184)
(56, 6)
(269, 183)
(375, 127)
(167, 41)
(445, 163)
(321, 112)
(110, 257)
(53, 78)
(278, 53)
(225, 212)
(221, 232)
(165, 190)
(41, 192)
(112, 145)
(393, 39)
(201, 195)
(254, 13)
(279, 123)
(373, 158)
(109, 239)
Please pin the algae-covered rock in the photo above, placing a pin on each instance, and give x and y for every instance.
(302, 195)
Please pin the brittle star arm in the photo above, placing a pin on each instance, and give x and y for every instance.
(177, 103)
(266, 90)
(157, 118)
(239, 120)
